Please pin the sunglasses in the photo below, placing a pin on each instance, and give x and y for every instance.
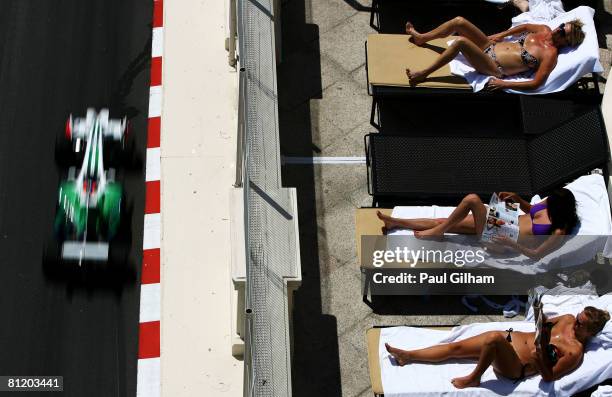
(562, 30)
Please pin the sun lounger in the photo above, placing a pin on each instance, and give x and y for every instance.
(433, 380)
(388, 56)
(373, 343)
(431, 169)
(585, 242)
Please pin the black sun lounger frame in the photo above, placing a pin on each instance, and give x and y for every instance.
(438, 169)
(378, 92)
(579, 89)
(375, 8)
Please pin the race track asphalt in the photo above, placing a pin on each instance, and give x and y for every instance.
(58, 57)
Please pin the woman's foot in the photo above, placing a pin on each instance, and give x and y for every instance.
(415, 36)
(390, 223)
(415, 78)
(435, 232)
(399, 355)
(465, 381)
(522, 5)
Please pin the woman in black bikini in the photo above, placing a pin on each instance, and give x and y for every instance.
(536, 48)
(514, 354)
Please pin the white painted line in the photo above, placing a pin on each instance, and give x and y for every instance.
(153, 170)
(157, 48)
(150, 302)
(149, 376)
(155, 101)
(323, 160)
(152, 231)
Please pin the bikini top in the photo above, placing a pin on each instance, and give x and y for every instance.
(528, 60)
(539, 229)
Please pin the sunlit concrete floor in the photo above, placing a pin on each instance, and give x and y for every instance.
(324, 110)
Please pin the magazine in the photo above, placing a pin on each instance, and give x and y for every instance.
(538, 317)
(502, 220)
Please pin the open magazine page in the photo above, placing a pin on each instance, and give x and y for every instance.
(537, 314)
(502, 220)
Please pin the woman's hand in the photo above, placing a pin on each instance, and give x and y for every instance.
(496, 38)
(508, 196)
(506, 241)
(496, 84)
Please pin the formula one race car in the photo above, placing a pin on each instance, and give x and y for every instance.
(91, 202)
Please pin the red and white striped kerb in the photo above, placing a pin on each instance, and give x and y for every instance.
(149, 380)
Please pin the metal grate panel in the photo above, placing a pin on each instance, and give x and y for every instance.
(270, 213)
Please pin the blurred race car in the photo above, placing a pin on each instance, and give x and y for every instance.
(91, 203)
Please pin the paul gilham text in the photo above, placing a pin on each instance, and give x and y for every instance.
(425, 278)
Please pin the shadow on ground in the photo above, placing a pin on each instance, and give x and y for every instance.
(435, 305)
(316, 366)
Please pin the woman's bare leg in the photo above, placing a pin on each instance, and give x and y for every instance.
(522, 5)
(399, 223)
(458, 25)
(466, 226)
(489, 348)
(474, 54)
(470, 203)
(467, 348)
(496, 351)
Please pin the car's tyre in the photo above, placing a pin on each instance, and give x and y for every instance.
(119, 249)
(119, 154)
(112, 154)
(118, 253)
(63, 150)
(65, 154)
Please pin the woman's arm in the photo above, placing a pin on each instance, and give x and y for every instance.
(566, 364)
(547, 64)
(551, 243)
(526, 27)
(524, 204)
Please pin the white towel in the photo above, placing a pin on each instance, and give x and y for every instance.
(540, 11)
(428, 380)
(572, 64)
(603, 391)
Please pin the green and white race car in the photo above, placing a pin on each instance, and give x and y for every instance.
(90, 202)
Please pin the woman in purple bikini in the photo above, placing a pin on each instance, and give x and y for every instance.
(536, 48)
(555, 216)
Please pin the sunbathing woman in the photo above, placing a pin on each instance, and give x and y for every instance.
(536, 48)
(555, 216)
(514, 354)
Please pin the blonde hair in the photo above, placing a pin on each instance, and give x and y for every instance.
(598, 319)
(576, 36)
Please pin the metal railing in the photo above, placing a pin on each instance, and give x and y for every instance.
(270, 211)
